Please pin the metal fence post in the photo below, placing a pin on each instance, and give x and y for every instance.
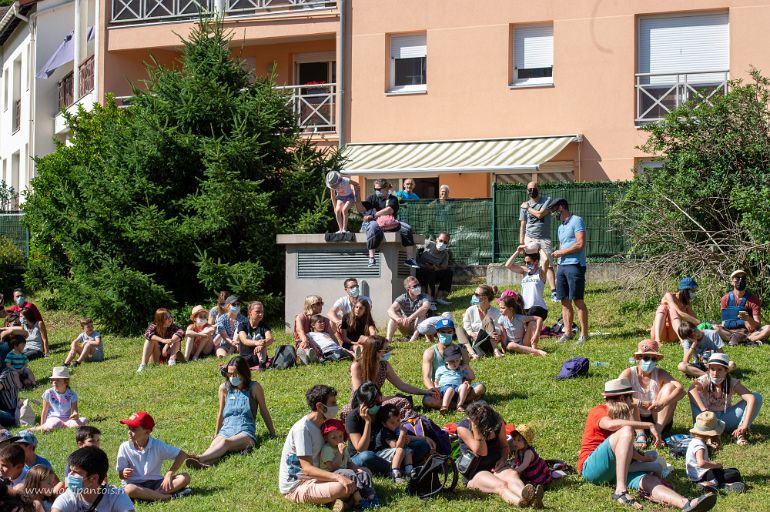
(494, 223)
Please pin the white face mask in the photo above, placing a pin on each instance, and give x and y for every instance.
(440, 246)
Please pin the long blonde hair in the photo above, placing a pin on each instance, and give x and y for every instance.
(309, 301)
(618, 410)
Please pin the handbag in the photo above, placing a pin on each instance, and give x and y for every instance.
(388, 222)
(467, 464)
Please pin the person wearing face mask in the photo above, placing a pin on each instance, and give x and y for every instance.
(535, 227)
(36, 319)
(162, 340)
(227, 327)
(674, 308)
(239, 399)
(479, 330)
(533, 274)
(344, 305)
(434, 273)
(741, 310)
(380, 211)
(714, 392)
(433, 359)
(85, 491)
(300, 479)
(409, 309)
(656, 392)
(199, 337)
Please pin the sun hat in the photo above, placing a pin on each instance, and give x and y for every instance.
(140, 419)
(526, 432)
(333, 178)
(617, 387)
(445, 323)
(687, 283)
(232, 299)
(60, 372)
(197, 310)
(738, 272)
(333, 424)
(453, 353)
(27, 437)
(719, 358)
(648, 348)
(707, 424)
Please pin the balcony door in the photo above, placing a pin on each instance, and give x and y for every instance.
(315, 76)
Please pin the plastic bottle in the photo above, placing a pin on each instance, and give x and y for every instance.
(632, 361)
(601, 363)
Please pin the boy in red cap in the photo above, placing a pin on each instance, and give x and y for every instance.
(336, 459)
(140, 460)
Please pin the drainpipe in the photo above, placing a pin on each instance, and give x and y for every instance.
(77, 40)
(97, 54)
(341, 78)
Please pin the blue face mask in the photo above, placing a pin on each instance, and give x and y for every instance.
(235, 309)
(75, 483)
(386, 357)
(445, 338)
(648, 366)
(373, 410)
(235, 381)
(21, 300)
(355, 291)
(474, 300)
(379, 193)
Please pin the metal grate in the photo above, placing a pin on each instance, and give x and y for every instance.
(336, 264)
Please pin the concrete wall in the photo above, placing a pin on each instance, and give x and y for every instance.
(497, 274)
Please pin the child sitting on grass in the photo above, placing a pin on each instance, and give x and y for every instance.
(332, 351)
(701, 470)
(12, 465)
(336, 459)
(531, 468)
(517, 329)
(60, 403)
(700, 344)
(140, 459)
(18, 360)
(88, 345)
(42, 485)
(85, 436)
(390, 443)
(453, 377)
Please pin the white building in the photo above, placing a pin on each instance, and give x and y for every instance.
(34, 34)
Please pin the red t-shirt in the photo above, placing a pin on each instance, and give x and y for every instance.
(752, 304)
(593, 436)
(35, 312)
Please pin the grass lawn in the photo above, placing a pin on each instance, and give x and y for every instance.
(522, 388)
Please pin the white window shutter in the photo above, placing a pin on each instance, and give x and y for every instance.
(533, 47)
(408, 47)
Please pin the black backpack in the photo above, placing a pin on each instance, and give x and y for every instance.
(438, 474)
(285, 357)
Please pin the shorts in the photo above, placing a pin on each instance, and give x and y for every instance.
(443, 389)
(599, 467)
(545, 244)
(153, 485)
(312, 491)
(570, 282)
(389, 453)
(537, 311)
(97, 354)
(345, 199)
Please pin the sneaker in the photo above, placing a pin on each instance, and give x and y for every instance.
(409, 262)
(582, 339)
(564, 338)
(537, 500)
(194, 358)
(75, 364)
(370, 265)
(398, 477)
(141, 368)
(172, 362)
(181, 494)
(66, 365)
(443, 302)
(554, 297)
(736, 487)
(302, 356)
(195, 463)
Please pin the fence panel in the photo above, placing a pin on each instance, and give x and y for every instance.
(11, 226)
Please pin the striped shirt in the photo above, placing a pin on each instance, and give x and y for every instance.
(18, 361)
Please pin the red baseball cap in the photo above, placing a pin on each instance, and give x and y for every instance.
(333, 424)
(140, 419)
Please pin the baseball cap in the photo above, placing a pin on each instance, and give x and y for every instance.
(453, 353)
(7, 438)
(27, 437)
(140, 419)
(232, 299)
(445, 323)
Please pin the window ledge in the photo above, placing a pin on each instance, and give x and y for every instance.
(530, 86)
(404, 93)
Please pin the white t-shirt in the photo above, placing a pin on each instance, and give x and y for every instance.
(532, 287)
(343, 188)
(694, 472)
(472, 320)
(145, 463)
(514, 329)
(344, 306)
(323, 340)
(113, 500)
(304, 440)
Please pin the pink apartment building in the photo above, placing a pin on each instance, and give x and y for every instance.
(467, 93)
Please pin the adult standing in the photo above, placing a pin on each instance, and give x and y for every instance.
(409, 309)
(239, 399)
(300, 478)
(433, 358)
(162, 340)
(380, 211)
(606, 454)
(21, 303)
(571, 275)
(482, 433)
(479, 323)
(741, 310)
(407, 194)
(674, 308)
(535, 227)
(655, 391)
(434, 273)
(344, 305)
(227, 327)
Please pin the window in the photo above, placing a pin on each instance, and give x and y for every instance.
(533, 55)
(408, 63)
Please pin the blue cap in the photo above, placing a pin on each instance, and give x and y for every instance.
(25, 436)
(444, 323)
(687, 283)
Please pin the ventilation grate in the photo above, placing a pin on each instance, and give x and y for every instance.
(336, 264)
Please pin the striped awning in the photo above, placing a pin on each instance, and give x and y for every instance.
(437, 157)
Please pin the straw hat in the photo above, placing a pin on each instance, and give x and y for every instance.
(617, 387)
(720, 359)
(196, 311)
(60, 372)
(648, 348)
(526, 432)
(707, 424)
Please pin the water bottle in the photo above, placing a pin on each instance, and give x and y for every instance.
(601, 363)
(632, 361)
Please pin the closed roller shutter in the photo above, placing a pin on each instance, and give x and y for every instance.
(336, 264)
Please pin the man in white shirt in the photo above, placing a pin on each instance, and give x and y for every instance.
(344, 305)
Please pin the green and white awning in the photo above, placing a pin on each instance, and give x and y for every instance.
(459, 156)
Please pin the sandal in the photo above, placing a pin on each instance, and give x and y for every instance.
(527, 495)
(640, 443)
(741, 440)
(537, 501)
(701, 503)
(626, 500)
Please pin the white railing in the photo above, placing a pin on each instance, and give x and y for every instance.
(257, 7)
(315, 106)
(133, 11)
(658, 94)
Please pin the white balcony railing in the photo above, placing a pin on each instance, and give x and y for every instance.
(659, 94)
(147, 11)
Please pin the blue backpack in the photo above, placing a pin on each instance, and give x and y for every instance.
(575, 367)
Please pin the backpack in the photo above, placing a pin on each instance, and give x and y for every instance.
(575, 367)
(436, 475)
(285, 357)
(420, 426)
(677, 444)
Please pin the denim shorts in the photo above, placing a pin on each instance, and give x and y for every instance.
(345, 199)
(570, 282)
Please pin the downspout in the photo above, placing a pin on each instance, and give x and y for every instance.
(341, 81)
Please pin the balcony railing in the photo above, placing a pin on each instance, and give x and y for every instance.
(315, 106)
(143, 11)
(659, 94)
(86, 71)
(66, 88)
(17, 115)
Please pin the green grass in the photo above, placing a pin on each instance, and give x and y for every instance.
(522, 388)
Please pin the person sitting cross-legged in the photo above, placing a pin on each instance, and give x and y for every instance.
(408, 310)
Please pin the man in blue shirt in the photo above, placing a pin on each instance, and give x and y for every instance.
(571, 275)
(408, 193)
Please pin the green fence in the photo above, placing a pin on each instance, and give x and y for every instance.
(11, 226)
(487, 230)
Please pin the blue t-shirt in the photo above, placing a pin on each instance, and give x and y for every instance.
(567, 231)
(403, 195)
(448, 377)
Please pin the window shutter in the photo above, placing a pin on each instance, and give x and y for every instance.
(408, 47)
(533, 47)
(684, 44)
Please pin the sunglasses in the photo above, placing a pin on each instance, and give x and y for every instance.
(647, 359)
